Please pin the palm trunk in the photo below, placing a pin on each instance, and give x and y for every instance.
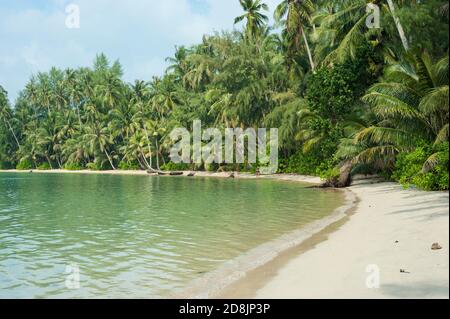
(157, 155)
(109, 159)
(12, 131)
(145, 160)
(148, 145)
(79, 116)
(48, 160)
(399, 26)
(308, 50)
(141, 164)
(59, 162)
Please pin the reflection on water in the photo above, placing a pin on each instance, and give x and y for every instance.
(137, 236)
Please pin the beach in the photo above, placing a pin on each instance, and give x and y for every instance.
(379, 246)
(284, 177)
(388, 237)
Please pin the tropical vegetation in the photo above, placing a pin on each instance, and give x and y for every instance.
(343, 95)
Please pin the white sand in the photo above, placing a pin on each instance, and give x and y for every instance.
(386, 213)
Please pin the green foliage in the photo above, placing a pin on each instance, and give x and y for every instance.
(170, 166)
(409, 168)
(97, 166)
(331, 175)
(432, 35)
(128, 166)
(44, 167)
(6, 165)
(332, 92)
(306, 164)
(213, 167)
(73, 167)
(314, 81)
(24, 164)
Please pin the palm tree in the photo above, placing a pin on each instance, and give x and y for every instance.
(200, 71)
(255, 19)
(142, 104)
(297, 14)
(134, 149)
(75, 151)
(6, 114)
(345, 27)
(74, 90)
(99, 138)
(410, 106)
(164, 97)
(398, 25)
(179, 63)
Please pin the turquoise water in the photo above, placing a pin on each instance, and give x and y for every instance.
(137, 236)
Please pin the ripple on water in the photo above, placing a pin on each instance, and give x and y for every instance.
(135, 236)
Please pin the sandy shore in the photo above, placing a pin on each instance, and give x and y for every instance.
(284, 177)
(391, 229)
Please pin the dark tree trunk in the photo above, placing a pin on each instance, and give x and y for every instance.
(345, 178)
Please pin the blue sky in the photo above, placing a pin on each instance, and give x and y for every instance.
(140, 33)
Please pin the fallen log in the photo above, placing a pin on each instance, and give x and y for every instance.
(164, 173)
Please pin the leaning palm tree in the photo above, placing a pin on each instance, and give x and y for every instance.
(297, 14)
(6, 114)
(99, 138)
(255, 19)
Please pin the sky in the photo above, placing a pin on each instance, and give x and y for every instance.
(139, 33)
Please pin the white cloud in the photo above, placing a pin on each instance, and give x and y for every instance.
(140, 33)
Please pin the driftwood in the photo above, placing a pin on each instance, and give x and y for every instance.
(170, 173)
(163, 173)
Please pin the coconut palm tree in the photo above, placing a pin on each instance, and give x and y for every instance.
(179, 63)
(297, 14)
(255, 19)
(410, 105)
(99, 138)
(6, 113)
(344, 27)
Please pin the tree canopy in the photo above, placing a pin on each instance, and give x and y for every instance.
(339, 92)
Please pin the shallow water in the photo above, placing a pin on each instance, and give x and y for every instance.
(137, 236)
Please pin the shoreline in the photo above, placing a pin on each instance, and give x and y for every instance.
(243, 175)
(388, 237)
(215, 283)
(382, 225)
(235, 270)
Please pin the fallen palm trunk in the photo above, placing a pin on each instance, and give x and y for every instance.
(163, 173)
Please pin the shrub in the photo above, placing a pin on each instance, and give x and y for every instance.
(213, 167)
(94, 166)
(306, 164)
(332, 91)
(129, 166)
(170, 166)
(6, 165)
(408, 168)
(73, 167)
(331, 175)
(24, 164)
(44, 167)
